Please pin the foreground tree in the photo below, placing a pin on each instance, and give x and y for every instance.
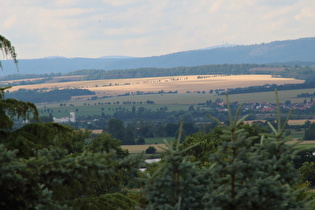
(177, 183)
(7, 49)
(309, 133)
(37, 171)
(10, 108)
(244, 172)
(204, 144)
(52, 178)
(253, 176)
(105, 143)
(31, 137)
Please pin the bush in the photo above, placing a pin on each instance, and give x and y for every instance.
(150, 150)
(140, 141)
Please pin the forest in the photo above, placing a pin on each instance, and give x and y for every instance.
(40, 95)
(270, 87)
(298, 72)
(287, 71)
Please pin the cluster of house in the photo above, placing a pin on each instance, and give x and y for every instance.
(268, 107)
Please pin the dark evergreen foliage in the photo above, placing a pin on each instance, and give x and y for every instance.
(150, 150)
(269, 87)
(177, 183)
(105, 143)
(160, 72)
(204, 144)
(309, 133)
(118, 131)
(40, 96)
(242, 173)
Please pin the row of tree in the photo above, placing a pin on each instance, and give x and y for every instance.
(298, 72)
(41, 96)
(270, 87)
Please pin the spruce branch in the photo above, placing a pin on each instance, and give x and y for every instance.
(277, 133)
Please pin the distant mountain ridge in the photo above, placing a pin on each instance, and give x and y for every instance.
(291, 52)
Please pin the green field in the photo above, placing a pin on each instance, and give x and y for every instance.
(91, 110)
(304, 144)
(141, 148)
(159, 140)
(174, 102)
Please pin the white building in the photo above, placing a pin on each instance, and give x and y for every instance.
(66, 119)
(61, 120)
(72, 116)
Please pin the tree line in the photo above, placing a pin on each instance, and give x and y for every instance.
(160, 72)
(41, 95)
(298, 72)
(269, 87)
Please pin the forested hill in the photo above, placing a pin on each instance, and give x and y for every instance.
(306, 73)
(235, 69)
(300, 51)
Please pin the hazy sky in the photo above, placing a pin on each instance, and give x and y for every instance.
(95, 28)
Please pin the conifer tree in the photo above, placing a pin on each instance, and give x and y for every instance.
(253, 176)
(177, 183)
(246, 172)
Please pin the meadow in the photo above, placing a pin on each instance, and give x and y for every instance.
(160, 145)
(173, 102)
(157, 143)
(303, 144)
(141, 148)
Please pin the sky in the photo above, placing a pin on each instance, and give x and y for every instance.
(143, 28)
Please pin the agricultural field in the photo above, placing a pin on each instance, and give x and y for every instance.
(157, 143)
(91, 109)
(299, 122)
(182, 84)
(141, 148)
(191, 90)
(303, 144)
(173, 102)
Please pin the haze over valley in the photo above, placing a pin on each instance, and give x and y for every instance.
(286, 52)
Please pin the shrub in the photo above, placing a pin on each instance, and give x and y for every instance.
(150, 150)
